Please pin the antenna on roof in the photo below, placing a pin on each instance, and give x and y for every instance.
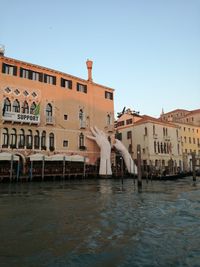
(2, 50)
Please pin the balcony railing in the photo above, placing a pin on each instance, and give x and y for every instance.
(82, 124)
(155, 136)
(21, 117)
(50, 120)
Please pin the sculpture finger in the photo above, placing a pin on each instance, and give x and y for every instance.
(93, 131)
(97, 130)
(91, 137)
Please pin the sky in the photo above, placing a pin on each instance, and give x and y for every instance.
(147, 50)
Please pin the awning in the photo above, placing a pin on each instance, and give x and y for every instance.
(8, 156)
(59, 157)
(38, 157)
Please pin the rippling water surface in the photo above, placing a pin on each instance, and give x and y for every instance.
(100, 223)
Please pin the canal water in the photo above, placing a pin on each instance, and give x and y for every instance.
(89, 223)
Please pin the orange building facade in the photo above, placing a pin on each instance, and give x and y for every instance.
(50, 112)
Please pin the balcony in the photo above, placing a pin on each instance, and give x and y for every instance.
(109, 128)
(82, 147)
(82, 124)
(50, 120)
(167, 138)
(155, 136)
(21, 117)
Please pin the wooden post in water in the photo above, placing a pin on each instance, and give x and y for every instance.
(63, 167)
(43, 167)
(122, 168)
(11, 167)
(31, 172)
(84, 168)
(193, 166)
(139, 166)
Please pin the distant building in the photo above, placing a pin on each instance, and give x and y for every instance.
(181, 115)
(50, 112)
(160, 141)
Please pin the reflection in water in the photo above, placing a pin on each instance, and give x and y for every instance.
(100, 223)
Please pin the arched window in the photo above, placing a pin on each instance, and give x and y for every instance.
(161, 148)
(51, 141)
(49, 110)
(81, 141)
(5, 137)
(21, 143)
(154, 129)
(32, 108)
(43, 140)
(6, 106)
(163, 131)
(145, 131)
(109, 120)
(25, 107)
(155, 146)
(16, 106)
(165, 148)
(13, 140)
(29, 140)
(82, 118)
(158, 147)
(37, 140)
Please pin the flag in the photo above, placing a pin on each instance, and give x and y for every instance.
(37, 110)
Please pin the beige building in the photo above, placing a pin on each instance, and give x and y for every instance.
(160, 141)
(189, 123)
(50, 112)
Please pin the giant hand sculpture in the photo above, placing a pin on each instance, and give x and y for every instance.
(105, 148)
(130, 165)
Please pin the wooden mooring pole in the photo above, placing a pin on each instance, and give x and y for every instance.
(194, 166)
(139, 179)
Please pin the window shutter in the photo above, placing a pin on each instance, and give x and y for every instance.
(54, 80)
(30, 74)
(85, 89)
(62, 82)
(77, 86)
(45, 78)
(70, 84)
(3, 68)
(15, 70)
(21, 70)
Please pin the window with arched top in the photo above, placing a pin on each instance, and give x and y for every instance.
(25, 107)
(5, 137)
(21, 142)
(32, 108)
(81, 141)
(37, 140)
(29, 139)
(163, 131)
(82, 118)
(13, 138)
(16, 106)
(51, 141)
(155, 146)
(154, 129)
(6, 105)
(158, 145)
(145, 131)
(109, 119)
(43, 140)
(49, 112)
(161, 148)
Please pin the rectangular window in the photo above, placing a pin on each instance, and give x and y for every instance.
(9, 69)
(118, 136)
(65, 117)
(49, 79)
(65, 143)
(66, 83)
(36, 76)
(24, 73)
(108, 95)
(120, 123)
(129, 121)
(81, 88)
(129, 135)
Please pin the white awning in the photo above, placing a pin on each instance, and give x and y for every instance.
(59, 157)
(77, 158)
(37, 157)
(8, 156)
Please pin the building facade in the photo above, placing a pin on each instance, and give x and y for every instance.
(50, 112)
(160, 142)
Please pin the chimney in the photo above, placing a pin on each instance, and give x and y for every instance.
(89, 67)
(2, 50)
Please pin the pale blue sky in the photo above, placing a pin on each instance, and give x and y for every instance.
(147, 50)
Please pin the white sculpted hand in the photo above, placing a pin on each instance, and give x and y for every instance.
(102, 141)
(130, 165)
